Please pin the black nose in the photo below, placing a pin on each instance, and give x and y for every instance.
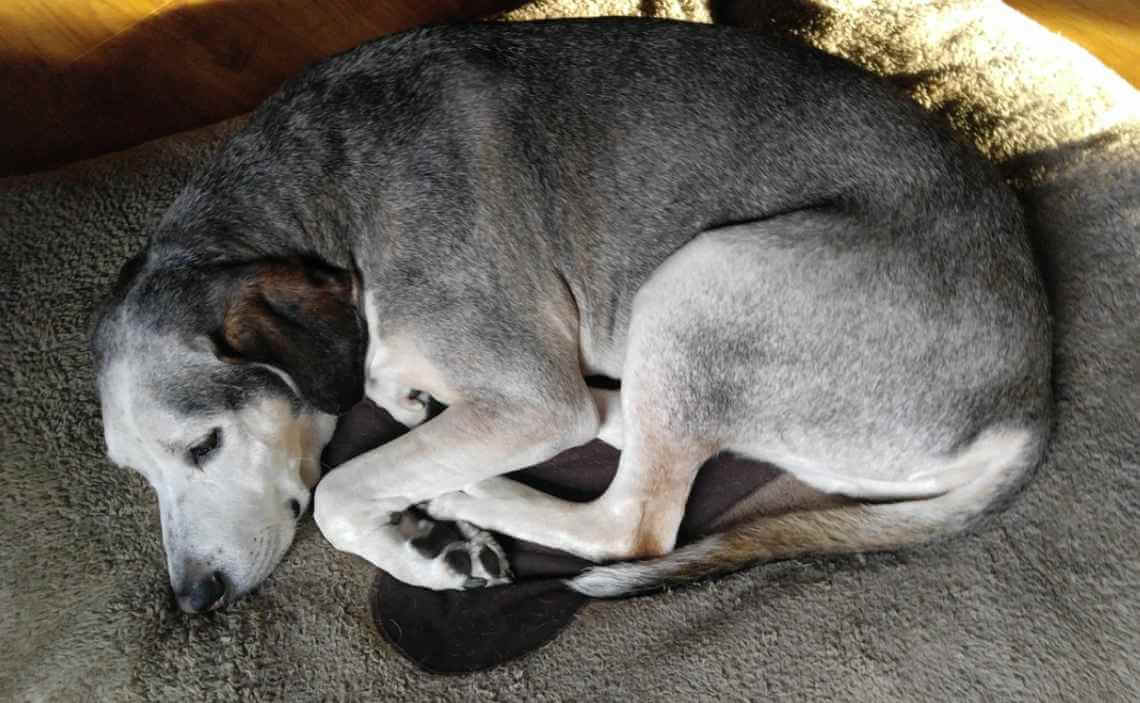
(204, 593)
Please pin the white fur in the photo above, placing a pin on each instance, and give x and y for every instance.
(385, 376)
(233, 513)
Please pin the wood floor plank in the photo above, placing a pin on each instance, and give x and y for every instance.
(63, 30)
(113, 84)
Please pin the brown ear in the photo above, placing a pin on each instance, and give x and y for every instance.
(299, 316)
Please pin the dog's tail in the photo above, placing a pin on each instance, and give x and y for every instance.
(985, 476)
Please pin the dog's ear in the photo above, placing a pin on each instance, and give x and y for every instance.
(127, 275)
(299, 316)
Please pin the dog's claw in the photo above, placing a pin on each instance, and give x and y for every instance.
(469, 554)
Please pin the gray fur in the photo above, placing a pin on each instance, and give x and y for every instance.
(477, 178)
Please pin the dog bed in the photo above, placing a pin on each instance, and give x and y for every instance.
(1043, 605)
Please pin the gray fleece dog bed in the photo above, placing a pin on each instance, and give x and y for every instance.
(1043, 605)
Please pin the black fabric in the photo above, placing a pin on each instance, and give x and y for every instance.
(453, 632)
(463, 631)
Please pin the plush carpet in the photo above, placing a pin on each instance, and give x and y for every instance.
(1044, 605)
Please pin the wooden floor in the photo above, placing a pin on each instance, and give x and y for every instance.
(83, 77)
(93, 76)
(1109, 29)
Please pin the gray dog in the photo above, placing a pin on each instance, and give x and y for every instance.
(774, 253)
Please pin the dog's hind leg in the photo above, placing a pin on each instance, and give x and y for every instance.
(865, 368)
(868, 372)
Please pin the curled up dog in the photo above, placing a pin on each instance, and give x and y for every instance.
(773, 252)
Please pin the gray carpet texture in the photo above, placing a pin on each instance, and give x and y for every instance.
(1041, 606)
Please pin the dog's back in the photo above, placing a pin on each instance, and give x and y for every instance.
(599, 152)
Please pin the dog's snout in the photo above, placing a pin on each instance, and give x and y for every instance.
(204, 594)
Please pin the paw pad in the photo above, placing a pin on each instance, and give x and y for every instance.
(470, 554)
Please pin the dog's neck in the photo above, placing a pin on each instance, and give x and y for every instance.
(210, 227)
(254, 201)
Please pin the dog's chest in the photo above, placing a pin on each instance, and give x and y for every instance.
(393, 365)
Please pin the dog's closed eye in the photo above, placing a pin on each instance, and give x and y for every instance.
(200, 451)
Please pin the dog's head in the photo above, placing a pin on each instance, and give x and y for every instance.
(220, 383)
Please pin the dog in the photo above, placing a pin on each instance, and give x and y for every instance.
(771, 251)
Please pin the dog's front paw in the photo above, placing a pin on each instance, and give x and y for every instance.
(480, 502)
(457, 552)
